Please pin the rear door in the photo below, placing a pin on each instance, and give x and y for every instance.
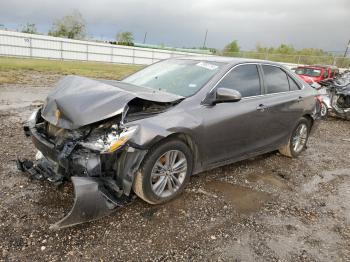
(284, 101)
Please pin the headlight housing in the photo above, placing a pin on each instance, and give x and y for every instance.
(33, 116)
(110, 142)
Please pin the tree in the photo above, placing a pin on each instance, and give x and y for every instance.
(287, 53)
(71, 26)
(125, 38)
(232, 49)
(29, 29)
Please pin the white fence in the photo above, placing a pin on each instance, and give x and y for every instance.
(48, 47)
(40, 46)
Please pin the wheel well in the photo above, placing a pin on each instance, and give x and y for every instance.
(187, 139)
(310, 119)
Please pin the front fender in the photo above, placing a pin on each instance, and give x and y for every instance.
(182, 124)
(154, 129)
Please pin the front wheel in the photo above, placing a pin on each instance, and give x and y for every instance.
(298, 140)
(164, 173)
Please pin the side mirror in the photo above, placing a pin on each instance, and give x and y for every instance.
(227, 95)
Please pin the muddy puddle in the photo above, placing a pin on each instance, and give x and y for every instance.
(269, 179)
(325, 177)
(245, 200)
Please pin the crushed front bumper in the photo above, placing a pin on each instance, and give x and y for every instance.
(74, 160)
(102, 182)
(93, 197)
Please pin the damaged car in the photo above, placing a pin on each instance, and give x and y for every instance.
(147, 134)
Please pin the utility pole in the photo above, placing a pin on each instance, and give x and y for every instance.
(205, 38)
(144, 39)
(345, 53)
(346, 50)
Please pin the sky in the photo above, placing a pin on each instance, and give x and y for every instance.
(182, 23)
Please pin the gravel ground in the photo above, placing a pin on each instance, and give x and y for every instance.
(270, 208)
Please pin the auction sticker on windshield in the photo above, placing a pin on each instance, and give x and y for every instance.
(207, 65)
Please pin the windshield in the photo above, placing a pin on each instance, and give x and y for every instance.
(176, 76)
(308, 71)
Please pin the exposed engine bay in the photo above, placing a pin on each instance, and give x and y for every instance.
(343, 101)
(99, 156)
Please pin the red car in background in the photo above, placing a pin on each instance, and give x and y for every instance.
(316, 73)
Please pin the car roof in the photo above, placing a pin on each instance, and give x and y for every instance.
(330, 66)
(227, 60)
(311, 66)
(318, 66)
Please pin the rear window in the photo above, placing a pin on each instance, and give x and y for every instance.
(293, 86)
(308, 71)
(276, 80)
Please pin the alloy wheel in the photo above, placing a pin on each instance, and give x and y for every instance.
(168, 173)
(299, 138)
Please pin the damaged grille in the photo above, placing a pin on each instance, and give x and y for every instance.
(54, 131)
(92, 133)
(57, 133)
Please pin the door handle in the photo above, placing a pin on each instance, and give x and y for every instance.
(300, 98)
(261, 108)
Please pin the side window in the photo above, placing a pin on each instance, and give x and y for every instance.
(275, 79)
(292, 84)
(244, 78)
(325, 75)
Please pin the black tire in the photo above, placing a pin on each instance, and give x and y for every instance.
(142, 185)
(289, 149)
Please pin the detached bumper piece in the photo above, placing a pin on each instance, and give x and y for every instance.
(92, 201)
(94, 197)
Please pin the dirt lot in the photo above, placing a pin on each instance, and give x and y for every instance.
(270, 208)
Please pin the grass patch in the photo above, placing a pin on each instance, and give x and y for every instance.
(10, 68)
(8, 77)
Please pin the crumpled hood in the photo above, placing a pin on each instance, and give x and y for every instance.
(77, 101)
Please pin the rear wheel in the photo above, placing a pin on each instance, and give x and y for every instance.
(298, 140)
(164, 172)
(323, 110)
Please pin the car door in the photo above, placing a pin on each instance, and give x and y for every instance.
(233, 129)
(283, 100)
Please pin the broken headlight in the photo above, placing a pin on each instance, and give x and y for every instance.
(33, 116)
(111, 141)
